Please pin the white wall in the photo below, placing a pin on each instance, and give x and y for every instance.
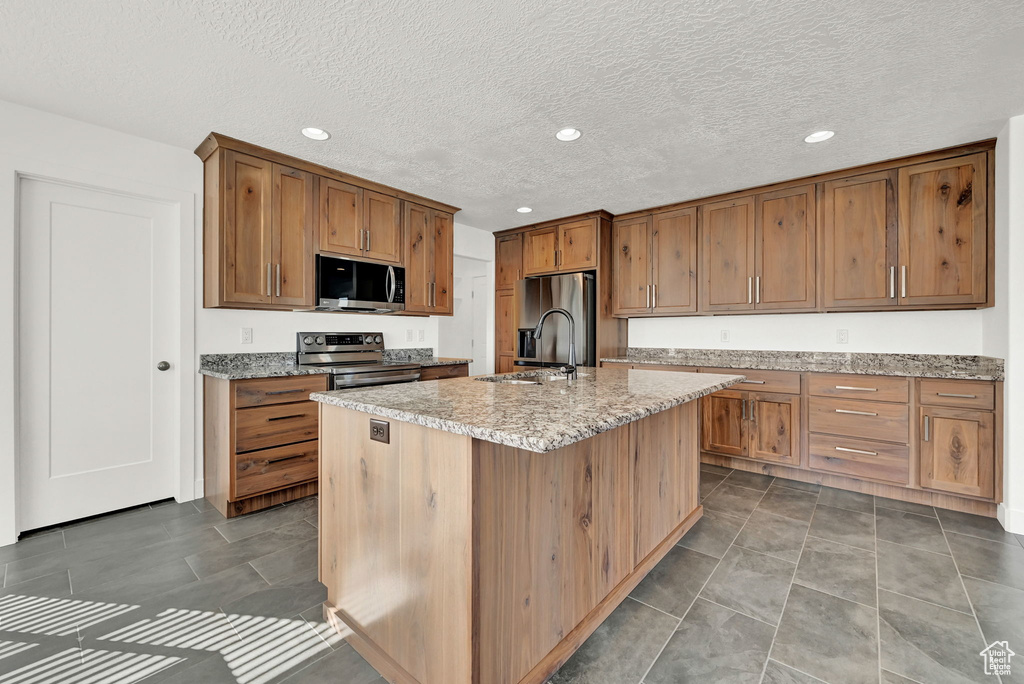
(474, 243)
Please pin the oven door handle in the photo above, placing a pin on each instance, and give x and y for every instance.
(391, 284)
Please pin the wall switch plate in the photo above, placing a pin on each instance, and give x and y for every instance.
(423, 335)
(380, 431)
(725, 336)
(408, 334)
(842, 336)
(246, 336)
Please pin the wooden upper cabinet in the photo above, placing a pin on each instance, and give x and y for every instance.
(858, 236)
(727, 282)
(631, 266)
(292, 237)
(508, 261)
(958, 451)
(442, 225)
(943, 231)
(539, 247)
(246, 241)
(674, 261)
(382, 214)
(428, 265)
(341, 218)
(785, 257)
(577, 246)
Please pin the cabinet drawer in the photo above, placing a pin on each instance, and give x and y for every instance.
(862, 419)
(865, 387)
(860, 458)
(762, 380)
(270, 426)
(460, 370)
(267, 391)
(277, 468)
(615, 364)
(960, 393)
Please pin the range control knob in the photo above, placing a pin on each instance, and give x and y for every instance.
(378, 339)
(319, 339)
(307, 340)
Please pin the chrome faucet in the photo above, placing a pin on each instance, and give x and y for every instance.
(570, 368)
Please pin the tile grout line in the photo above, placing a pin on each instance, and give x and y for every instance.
(916, 548)
(740, 612)
(897, 510)
(4, 583)
(878, 602)
(71, 587)
(795, 669)
(663, 612)
(792, 579)
(849, 546)
(258, 572)
(63, 539)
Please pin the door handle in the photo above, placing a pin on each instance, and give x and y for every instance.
(856, 413)
(903, 282)
(892, 282)
(757, 290)
(163, 365)
(268, 281)
(648, 297)
(367, 240)
(391, 284)
(750, 286)
(654, 296)
(927, 428)
(278, 280)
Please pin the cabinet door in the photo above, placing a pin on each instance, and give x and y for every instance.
(247, 238)
(723, 423)
(577, 246)
(784, 250)
(506, 364)
(419, 262)
(728, 255)
(293, 237)
(859, 241)
(341, 218)
(631, 266)
(382, 216)
(539, 247)
(958, 451)
(674, 261)
(504, 321)
(441, 225)
(774, 428)
(508, 261)
(943, 231)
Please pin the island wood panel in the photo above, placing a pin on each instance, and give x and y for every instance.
(577, 245)
(539, 247)
(218, 449)
(724, 423)
(631, 265)
(341, 218)
(383, 218)
(293, 221)
(248, 218)
(395, 543)
(943, 243)
(664, 489)
(859, 241)
(508, 259)
(727, 261)
(774, 427)
(674, 261)
(785, 257)
(956, 451)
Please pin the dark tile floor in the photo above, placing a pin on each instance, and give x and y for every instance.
(780, 581)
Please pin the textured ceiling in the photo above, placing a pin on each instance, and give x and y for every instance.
(459, 100)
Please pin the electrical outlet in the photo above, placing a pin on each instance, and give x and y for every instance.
(408, 334)
(842, 336)
(423, 335)
(725, 336)
(246, 336)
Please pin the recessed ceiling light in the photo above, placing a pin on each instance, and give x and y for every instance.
(819, 136)
(316, 133)
(568, 134)
(524, 210)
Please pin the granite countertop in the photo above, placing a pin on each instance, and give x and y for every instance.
(912, 365)
(538, 418)
(280, 364)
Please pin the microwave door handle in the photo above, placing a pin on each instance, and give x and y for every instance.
(391, 284)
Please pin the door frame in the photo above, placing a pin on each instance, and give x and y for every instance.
(12, 171)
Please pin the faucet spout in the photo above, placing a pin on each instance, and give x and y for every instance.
(570, 369)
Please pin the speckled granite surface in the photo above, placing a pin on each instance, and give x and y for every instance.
(540, 417)
(913, 365)
(278, 364)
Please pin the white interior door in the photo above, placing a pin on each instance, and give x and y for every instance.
(98, 310)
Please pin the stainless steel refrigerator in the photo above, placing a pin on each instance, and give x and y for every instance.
(576, 294)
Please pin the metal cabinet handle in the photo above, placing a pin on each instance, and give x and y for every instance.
(291, 391)
(956, 396)
(903, 282)
(278, 280)
(283, 458)
(297, 415)
(753, 410)
(654, 297)
(753, 382)
(856, 413)
(856, 389)
(857, 451)
(892, 282)
(927, 428)
(268, 280)
(648, 297)
(757, 290)
(744, 409)
(750, 286)
(367, 241)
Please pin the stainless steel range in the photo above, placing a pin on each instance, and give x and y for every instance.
(354, 359)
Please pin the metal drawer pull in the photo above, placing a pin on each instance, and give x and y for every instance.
(297, 415)
(744, 409)
(283, 458)
(750, 290)
(956, 396)
(753, 382)
(757, 290)
(856, 389)
(857, 451)
(892, 282)
(856, 413)
(903, 282)
(273, 394)
(278, 280)
(269, 291)
(927, 428)
(654, 296)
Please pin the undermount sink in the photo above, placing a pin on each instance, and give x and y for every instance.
(538, 379)
(510, 381)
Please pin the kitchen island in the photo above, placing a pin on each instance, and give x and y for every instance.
(479, 530)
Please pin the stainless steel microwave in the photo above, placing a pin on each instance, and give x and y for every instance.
(348, 285)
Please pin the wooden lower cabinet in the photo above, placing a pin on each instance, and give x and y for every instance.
(455, 370)
(724, 423)
(774, 428)
(957, 447)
